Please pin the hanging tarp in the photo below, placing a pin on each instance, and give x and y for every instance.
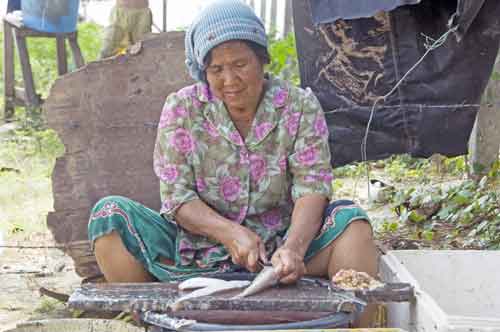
(328, 11)
(349, 63)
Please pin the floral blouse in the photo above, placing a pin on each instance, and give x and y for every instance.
(199, 154)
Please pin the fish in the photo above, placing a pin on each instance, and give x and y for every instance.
(206, 286)
(266, 278)
(199, 282)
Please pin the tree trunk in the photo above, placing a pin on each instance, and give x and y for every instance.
(484, 142)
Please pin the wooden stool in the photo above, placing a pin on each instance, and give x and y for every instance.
(27, 96)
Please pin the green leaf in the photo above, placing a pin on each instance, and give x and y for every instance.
(445, 213)
(482, 183)
(428, 235)
(416, 217)
(462, 197)
(495, 76)
(393, 226)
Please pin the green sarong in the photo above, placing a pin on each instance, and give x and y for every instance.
(149, 237)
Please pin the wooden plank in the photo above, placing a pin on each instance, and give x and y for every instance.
(303, 297)
(391, 292)
(62, 57)
(86, 110)
(279, 304)
(8, 72)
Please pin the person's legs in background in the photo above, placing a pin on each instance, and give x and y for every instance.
(115, 34)
(141, 24)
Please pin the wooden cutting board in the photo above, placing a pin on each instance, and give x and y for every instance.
(302, 301)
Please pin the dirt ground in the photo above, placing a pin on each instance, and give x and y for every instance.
(24, 271)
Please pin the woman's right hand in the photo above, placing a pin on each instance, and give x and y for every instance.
(246, 248)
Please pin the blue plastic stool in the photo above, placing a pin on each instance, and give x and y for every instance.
(27, 96)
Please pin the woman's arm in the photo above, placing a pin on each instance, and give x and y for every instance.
(309, 165)
(307, 215)
(244, 246)
(306, 221)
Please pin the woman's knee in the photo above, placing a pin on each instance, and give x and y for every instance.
(116, 262)
(101, 218)
(108, 201)
(105, 242)
(355, 249)
(359, 230)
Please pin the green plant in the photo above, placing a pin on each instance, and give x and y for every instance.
(47, 305)
(284, 61)
(405, 167)
(495, 76)
(463, 215)
(350, 170)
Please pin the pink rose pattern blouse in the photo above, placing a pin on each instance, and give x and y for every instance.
(200, 154)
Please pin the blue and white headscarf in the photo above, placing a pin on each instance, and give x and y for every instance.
(219, 22)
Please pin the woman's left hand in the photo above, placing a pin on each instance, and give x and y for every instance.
(288, 264)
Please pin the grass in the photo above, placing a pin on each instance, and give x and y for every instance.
(27, 160)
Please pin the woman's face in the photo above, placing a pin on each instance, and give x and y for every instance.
(236, 75)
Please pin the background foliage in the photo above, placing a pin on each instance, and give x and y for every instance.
(432, 204)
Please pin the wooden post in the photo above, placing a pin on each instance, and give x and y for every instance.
(288, 18)
(484, 142)
(165, 6)
(263, 11)
(274, 14)
(8, 72)
(62, 57)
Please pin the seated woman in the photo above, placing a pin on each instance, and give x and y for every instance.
(245, 178)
